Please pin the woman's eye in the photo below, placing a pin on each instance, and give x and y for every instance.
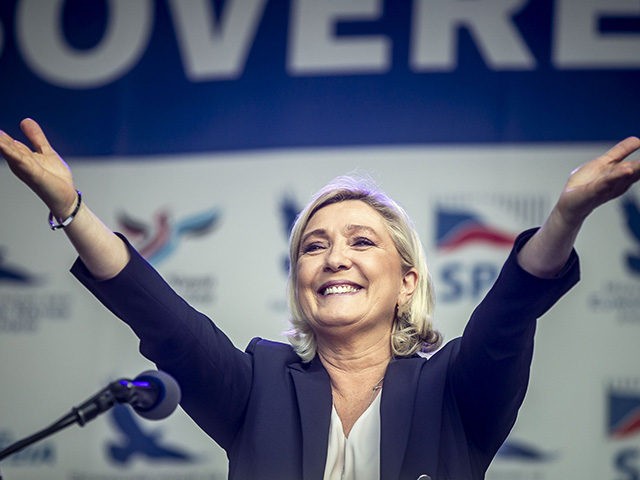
(311, 247)
(363, 242)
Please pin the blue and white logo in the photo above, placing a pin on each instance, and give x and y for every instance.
(631, 213)
(135, 442)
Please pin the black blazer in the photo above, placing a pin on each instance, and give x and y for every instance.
(444, 417)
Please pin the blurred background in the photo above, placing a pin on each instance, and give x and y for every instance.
(199, 128)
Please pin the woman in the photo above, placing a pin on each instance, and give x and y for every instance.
(354, 398)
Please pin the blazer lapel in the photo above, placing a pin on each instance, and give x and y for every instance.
(313, 391)
(397, 410)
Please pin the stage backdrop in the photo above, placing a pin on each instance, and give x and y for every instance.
(199, 128)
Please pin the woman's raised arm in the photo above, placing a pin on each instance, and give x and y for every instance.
(49, 177)
(589, 186)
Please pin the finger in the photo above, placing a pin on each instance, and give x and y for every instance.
(5, 139)
(7, 145)
(22, 149)
(622, 178)
(623, 149)
(36, 136)
(13, 148)
(632, 170)
(20, 159)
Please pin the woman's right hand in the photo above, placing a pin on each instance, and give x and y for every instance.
(41, 169)
(44, 172)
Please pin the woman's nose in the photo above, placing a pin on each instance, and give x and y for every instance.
(337, 259)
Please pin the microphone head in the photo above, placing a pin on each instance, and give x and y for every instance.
(168, 395)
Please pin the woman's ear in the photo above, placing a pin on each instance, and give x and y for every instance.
(409, 285)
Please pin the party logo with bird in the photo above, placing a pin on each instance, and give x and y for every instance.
(135, 442)
(522, 451)
(289, 210)
(158, 239)
(631, 214)
(26, 299)
(14, 275)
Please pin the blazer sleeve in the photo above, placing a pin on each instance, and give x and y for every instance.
(214, 376)
(490, 374)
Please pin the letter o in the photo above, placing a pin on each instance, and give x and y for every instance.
(45, 50)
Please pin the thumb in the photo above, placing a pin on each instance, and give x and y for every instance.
(36, 136)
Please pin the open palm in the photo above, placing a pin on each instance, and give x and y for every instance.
(41, 169)
(599, 181)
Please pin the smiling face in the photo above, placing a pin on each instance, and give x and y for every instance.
(349, 273)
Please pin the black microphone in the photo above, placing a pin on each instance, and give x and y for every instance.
(152, 394)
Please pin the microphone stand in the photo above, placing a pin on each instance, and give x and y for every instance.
(119, 391)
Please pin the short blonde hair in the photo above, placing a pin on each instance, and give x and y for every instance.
(413, 326)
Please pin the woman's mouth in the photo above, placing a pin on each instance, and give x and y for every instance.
(339, 289)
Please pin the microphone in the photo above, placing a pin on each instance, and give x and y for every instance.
(152, 394)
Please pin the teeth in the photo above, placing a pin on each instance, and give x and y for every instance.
(337, 289)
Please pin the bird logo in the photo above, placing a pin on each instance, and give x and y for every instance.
(158, 241)
(136, 442)
(631, 212)
(14, 275)
(524, 451)
(289, 210)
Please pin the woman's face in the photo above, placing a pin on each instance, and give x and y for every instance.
(349, 273)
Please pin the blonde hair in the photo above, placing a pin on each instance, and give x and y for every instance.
(412, 327)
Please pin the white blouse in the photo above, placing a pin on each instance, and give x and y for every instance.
(356, 457)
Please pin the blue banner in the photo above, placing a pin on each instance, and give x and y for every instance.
(138, 77)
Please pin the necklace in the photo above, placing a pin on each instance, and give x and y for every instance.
(378, 385)
(376, 388)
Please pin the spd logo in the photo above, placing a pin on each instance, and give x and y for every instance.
(623, 424)
(473, 234)
(623, 401)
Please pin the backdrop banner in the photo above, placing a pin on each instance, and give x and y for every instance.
(136, 77)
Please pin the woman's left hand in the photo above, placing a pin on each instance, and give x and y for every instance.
(598, 181)
(589, 186)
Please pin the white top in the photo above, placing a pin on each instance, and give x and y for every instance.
(356, 457)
